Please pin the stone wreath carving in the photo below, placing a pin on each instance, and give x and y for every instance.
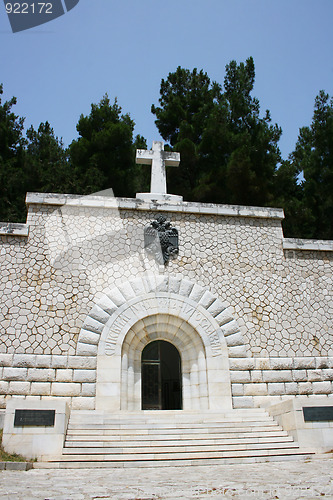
(161, 240)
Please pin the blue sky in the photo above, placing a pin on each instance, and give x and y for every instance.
(126, 47)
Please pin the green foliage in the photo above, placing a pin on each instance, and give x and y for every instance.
(313, 158)
(186, 100)
(47, 162)
(102, 157)
(229, 154)
(104, 154)
(12, 162)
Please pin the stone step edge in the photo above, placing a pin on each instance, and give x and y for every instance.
(130, 425)
(167, 443)
(169, 412)
(164, 432)
(167, 464)
(175, 450)
(189, 457)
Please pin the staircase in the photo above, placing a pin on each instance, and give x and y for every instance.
(173, 438)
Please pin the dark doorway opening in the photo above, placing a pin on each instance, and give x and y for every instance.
(161, 377)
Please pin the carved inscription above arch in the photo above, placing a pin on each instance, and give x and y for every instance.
(140, 308)
(121, 307)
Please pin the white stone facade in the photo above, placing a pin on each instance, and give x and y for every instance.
(250, 312)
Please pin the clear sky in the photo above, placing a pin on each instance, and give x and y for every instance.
(126, 47)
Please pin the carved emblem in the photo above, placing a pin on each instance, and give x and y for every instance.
(161, 240)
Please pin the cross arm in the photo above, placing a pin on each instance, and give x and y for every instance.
(144, 157)
(171, 159)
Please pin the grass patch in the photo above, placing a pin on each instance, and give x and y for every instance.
(8, 457)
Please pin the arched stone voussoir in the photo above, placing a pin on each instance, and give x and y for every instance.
(157, 288)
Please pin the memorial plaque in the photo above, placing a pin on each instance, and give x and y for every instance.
(34, 418)
(318, 414)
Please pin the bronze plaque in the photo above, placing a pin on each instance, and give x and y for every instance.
(34, 418)
(318, 413)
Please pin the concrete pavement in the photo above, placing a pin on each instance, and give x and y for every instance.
(297, 480)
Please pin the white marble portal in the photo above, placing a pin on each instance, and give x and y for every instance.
(190, 323)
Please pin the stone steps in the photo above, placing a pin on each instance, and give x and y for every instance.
(142, 439)
(197, 448)
(166, 463)
(103, 441)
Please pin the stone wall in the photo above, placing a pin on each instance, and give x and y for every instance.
(266, 381)
(72, 249)
(39, 376)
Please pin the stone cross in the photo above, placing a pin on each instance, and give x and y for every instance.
(158, 159)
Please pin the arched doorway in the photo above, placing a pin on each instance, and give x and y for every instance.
(161, 385)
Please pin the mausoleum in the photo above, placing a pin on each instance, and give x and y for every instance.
(115, 308)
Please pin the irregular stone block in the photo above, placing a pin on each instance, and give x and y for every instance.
(174, 284)
(117, 298)
(262, 364)
(301, 363)
(64, 375)
(241, 364)
(127, 291)
(65, 389)
(281, 363)
(242, 402)
(230, 328)
(14, 373)
(327, 374)
(255, 389)
(19, 388)
(237, 389)
(305, 388)
(224, 317)
(84, 376)
(322, 387)
(86, 350)
(276, 389)
(162, 285)
(40, 388)
(99, 314)
(107, 305)
(323, 362)
(24, 360)
(59, 361)
(43, 360)
(6, 359)
(82, 403)
(84, 362)
(240, 376)
(4, 387)
(185, 288)
(300, 375)
(256, 376)
(41, 374)
(315, 375)
(207, 299)
(291, 388)
(88, 390)
(216, 307)
(89, 337)
(237, 351)
(235, 339)
(277, 375)
(92, 325)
